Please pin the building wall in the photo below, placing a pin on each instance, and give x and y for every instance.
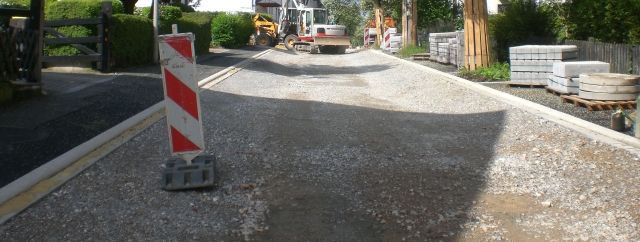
(492, 6)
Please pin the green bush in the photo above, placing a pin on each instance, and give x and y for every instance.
(522, 22)
(605, 20)
(67, 50)
(20, 3)
(495, 72)
(131, 40)
(75, 9)
(232, 30)
(4, 20)
(6, 92)
(197, 23)
(167, 13)
(71, 9)
(183, 7)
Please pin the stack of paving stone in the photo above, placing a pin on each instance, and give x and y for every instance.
(532, 64)
(447, 47)
(609, 86)
(565, 74)
(443, 53)
(456, 50)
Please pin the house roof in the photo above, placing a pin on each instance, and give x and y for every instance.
(268, 3)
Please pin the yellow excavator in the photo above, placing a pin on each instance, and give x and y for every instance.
(266, 30)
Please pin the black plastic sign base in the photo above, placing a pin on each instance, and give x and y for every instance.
(177, 175)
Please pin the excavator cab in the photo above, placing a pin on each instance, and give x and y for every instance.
(308, 28)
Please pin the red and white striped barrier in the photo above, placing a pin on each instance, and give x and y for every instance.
(369, 36)
(386, 40)
(182, 100)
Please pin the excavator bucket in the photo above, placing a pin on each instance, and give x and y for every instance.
(332, 40)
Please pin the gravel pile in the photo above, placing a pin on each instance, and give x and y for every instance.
(354, 147)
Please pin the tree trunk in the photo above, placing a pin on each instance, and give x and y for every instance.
(409, 22)
(476, 39)
(379, 15)
(129, 6)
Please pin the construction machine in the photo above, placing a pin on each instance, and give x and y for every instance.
(266, 30)
(305, 26)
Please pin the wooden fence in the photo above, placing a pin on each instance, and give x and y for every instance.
(101, 55)
(19, 50)
(622, 57)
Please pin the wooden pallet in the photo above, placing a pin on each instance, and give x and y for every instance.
(424, 56)
(594, 105)
(521, 84)
(554, 92)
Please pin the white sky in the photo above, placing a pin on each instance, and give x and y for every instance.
(246, 5)
(215, 5)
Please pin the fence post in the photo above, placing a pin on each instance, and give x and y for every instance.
(635, 123)
(103, 32)
(36, 25)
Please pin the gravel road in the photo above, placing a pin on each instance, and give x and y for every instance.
(355, 147)
(75, 113)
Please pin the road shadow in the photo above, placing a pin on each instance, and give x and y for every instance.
(325, 172)
(347, 173)
(315, 70)
(37, 130)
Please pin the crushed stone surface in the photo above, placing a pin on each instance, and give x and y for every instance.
(354, 147)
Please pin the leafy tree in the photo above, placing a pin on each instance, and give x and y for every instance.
(522, 22)
(438, 11)
(130, 5)
(347, 13)
(605, 20)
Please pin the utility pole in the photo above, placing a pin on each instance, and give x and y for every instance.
(409, 22)
(476, 39)
(155, 30)
(379, 20)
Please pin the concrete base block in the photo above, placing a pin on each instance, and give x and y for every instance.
(575, 68)
(564, 81)
(177, 175)
(610, 89)
(534, 82)
(561, 88)
(609, 79)
(607, 96)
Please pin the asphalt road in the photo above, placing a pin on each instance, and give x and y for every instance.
(354, 147)
(80, 106)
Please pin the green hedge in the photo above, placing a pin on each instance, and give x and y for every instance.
(232, 30)
(71, 9)
(167, 13)
(21, 4)
(131, 40)
(605, 20)
(197, 23)
(183, 7)
(6, 92)
(75, 9)
(522, 22)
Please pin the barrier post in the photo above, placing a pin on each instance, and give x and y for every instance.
(184, 123)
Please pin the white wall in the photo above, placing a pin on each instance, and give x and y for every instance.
(492, 6)
(215, 5)
(226, 5)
